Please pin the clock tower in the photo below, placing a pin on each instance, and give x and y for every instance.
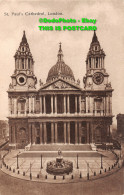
(23, 78)
(96, 76)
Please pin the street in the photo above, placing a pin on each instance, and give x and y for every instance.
(111, 185)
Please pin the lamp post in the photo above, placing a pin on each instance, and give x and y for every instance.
(101, 162)
(30, 171)
(120, 148)
(77, 162)
(120, 137)
(88, 171)
(41, 162)
(17, 162)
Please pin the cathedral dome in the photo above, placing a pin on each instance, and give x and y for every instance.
(60, 69)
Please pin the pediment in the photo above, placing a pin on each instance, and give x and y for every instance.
(60, 85)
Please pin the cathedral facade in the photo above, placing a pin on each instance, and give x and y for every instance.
(60, 111)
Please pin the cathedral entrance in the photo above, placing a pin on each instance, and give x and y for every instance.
(22, 137)
(60, 132)
(48, 126)
(83, 133)
(37, 140)
(98, 134)
(72, 132)
(83, 140)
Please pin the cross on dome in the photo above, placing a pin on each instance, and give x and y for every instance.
(60, 53)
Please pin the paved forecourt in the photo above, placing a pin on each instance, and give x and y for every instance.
(31, 162)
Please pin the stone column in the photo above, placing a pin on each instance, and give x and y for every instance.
(29, 105)
(51, 104)
(12, 105)
(9, 105)
(91, 62)
(29, 133)
(45, 134)
(52, 132)
(56, 136)
(100, 62)
(110, 105)
(34, 101)
(26, 67)
(104, 105)
(65, 132)
(79, 104)
(95, 108)
(55, 104)
(10, 133)
(76, 141)
(68, 104)
(26, 107)
(68, 128)
(92, 133)
(88, 140)
(15, 106)
(88, 64)
(80, 127)
(44, 104)
(64, 104)
(103, 61)
(13, 127)
(91, 105)
(94, 62)
(86, 104)
(41, 111)
(41, 141)
(33, 133)
(75, 104)
(107, 105)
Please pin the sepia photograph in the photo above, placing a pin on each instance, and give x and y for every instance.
(62, 97)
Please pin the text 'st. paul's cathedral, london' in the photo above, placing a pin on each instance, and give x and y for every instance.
(60, 111)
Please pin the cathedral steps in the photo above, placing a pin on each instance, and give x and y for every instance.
(37, 154)
(67, 150)
(62, 147)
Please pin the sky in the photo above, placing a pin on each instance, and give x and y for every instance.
(44, 45)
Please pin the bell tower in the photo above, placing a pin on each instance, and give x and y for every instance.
(96, 75)
(23, 77)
